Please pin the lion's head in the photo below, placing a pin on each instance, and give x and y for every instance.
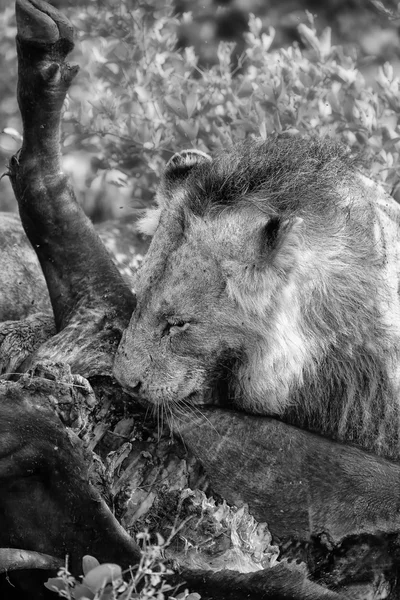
(271, 284)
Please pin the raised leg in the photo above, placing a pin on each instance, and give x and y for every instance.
(88, 295)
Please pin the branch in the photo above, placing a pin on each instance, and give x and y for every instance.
(390, 13)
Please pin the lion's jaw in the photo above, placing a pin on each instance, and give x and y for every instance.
(176, 337)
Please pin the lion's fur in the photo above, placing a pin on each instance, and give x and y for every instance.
(284, 260)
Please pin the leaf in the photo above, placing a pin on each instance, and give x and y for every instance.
(383, 10)
(13, 133)
(279, 89)
(55, 584)
(187, 129)
(263, 130)
(155, 579)
(361, 138)
(156, 142)
(246, 89)
(309, 37)
(191, 103)
(268, 38)
(101, 575)
(325, 42)
(89, 563)
(142, 94)
(175, 104)
(82, 592)
(277, 122)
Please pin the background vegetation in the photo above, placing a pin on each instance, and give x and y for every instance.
(145, 92)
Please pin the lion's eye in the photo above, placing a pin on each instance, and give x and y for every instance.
(175, 326)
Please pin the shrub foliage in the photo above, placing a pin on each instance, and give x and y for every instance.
(139, 99)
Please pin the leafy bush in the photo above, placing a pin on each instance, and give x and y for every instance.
(138, 99)
(147, 100)
(105, 582)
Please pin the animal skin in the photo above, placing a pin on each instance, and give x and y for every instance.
(47, 503)
(271, 285)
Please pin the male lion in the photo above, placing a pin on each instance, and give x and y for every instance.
(271, 284)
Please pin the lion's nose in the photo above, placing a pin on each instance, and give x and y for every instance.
(123, 374)
(134, 388)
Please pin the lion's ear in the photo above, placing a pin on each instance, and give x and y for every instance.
(279, 242)
(177, 169)
(179, 166)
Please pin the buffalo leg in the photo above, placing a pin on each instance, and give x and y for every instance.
(89, 297)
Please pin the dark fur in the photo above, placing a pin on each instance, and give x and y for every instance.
(286, 172)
